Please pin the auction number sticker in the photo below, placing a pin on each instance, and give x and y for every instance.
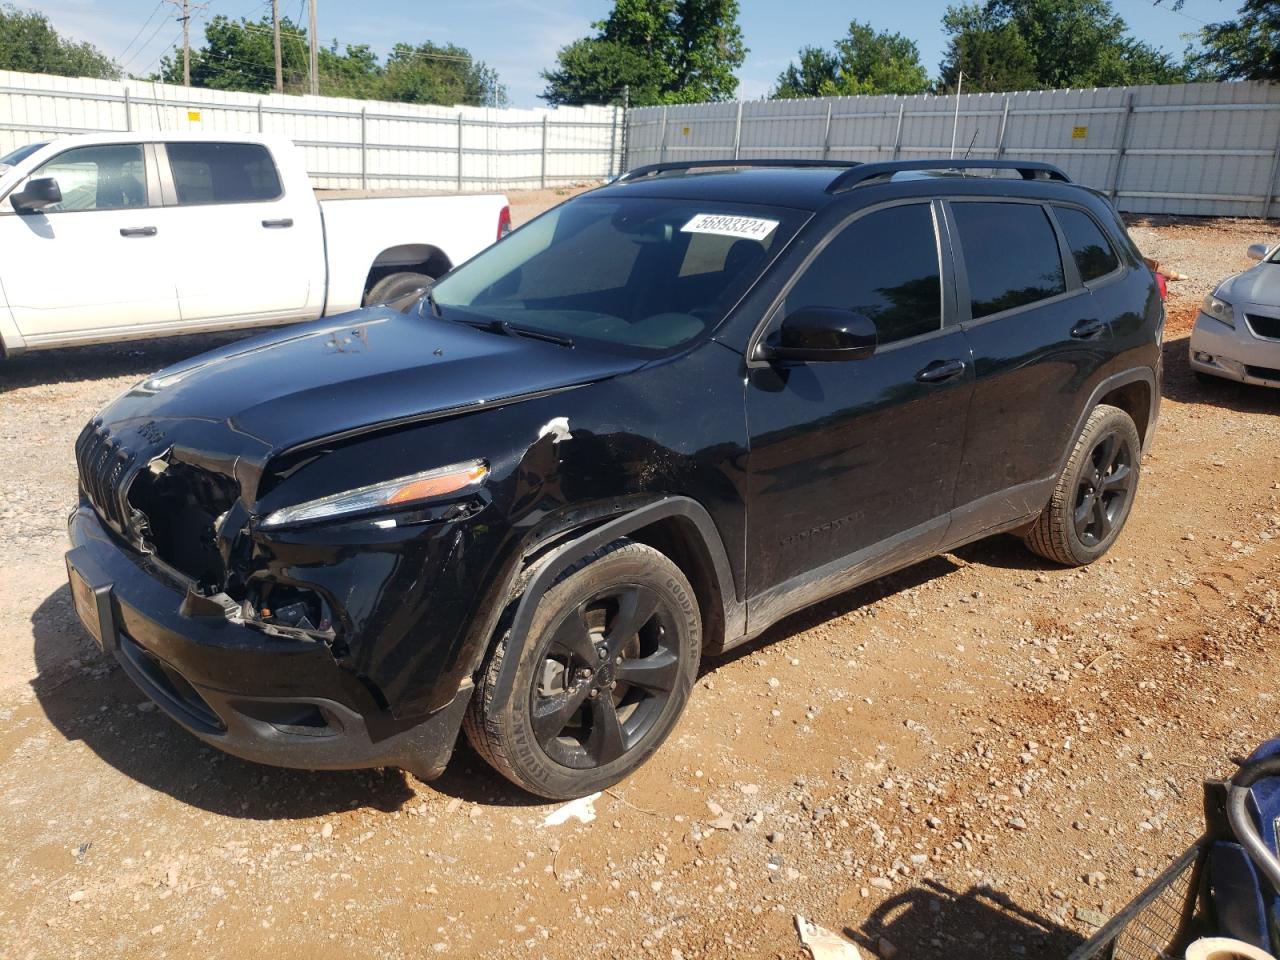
(748, 228)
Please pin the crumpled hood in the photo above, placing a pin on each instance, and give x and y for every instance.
(1260, 285)
(257, 398)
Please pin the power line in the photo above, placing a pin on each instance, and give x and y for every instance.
(159, 27)
(145, 23)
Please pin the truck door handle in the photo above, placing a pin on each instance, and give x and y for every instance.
(941, 370)
(280, 224)
(1088, 329)
(137, 231)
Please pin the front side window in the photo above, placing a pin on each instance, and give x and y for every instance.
(1089, 245)
(108, 177)
(643, 274)
(883, 265)
(1011, 255)
(223, 172)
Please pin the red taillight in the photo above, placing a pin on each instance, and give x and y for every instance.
(504, 222)
(1163, 284)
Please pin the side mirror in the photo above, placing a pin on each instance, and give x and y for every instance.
(1257, 251)
(40, 193)
(822, 334)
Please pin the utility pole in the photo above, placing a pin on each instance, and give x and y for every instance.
(275, 26)
(185, 19)
(315, 61)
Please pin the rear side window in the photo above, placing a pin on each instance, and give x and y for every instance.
(1093, 253)
(1011, 255)
(884, 266)
(223, 172)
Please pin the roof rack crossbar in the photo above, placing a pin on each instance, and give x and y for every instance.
(1028, 169)
(656, 169)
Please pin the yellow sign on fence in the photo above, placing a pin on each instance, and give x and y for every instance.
(1079, 133)
(193, 116)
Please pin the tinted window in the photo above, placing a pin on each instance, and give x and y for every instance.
(1089, 245)
(98, 178)
(884, 266)
(223, 172)
(1010, 253)
(17, 156)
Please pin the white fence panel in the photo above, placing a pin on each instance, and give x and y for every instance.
(347, 144)
(1201, 149)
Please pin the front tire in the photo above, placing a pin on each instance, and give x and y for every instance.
(603, 676)
(1094, 494)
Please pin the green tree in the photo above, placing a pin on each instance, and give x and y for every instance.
(666, 51)
(240, 55)
(864, 61)
(29, 43)
(993, 54)
(1246, 48)
(1011, 44)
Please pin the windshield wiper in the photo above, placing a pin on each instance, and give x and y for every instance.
(494, 325)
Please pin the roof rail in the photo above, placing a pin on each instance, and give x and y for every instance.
(656, 169)
(1029, 169)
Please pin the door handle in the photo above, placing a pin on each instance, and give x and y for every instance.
(1088, 329)
(941, 370)
(280, 224)
(138, 231)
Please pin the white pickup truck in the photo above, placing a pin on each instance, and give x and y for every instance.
(120, 236)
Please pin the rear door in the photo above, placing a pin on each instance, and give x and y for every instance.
(1038, 343)
(97, 261)
(249, 249)
(852, 463)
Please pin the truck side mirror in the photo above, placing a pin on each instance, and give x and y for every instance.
(822, 334)
(1257, 251)
(39, 193)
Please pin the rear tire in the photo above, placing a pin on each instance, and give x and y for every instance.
(602, 677)
(394, 286)
(1094, 494)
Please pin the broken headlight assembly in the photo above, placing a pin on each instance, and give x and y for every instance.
(401, 492)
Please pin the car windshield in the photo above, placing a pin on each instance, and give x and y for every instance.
(17, 156)
(639, 274)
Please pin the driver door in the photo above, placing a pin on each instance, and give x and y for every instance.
(853, 463)
(96, 262)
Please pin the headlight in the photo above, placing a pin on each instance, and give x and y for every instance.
(393, 493)
(1219, 309)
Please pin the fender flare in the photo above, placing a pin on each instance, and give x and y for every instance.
(1123, 379)
(570, 553)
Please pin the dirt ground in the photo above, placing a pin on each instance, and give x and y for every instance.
(981, 756)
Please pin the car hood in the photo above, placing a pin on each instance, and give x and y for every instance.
(234, 408)
(1260, 285)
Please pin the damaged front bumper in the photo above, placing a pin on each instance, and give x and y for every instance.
(279, 700)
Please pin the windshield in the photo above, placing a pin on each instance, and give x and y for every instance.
(17, 156)
(641, 274)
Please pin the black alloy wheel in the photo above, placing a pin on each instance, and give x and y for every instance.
(1104, 488)
(600, 679)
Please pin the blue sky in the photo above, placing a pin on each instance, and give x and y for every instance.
(520, 37)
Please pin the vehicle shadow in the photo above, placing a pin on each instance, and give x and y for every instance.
(107, 360)
(934, 920)
(1182, 386)
(88, 698)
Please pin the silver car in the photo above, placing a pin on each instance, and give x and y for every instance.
(1237, 332)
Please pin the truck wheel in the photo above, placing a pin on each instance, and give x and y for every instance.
(394, 286)
(1094, 494)
(601, 679)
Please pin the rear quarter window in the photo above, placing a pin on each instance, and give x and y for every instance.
(1011, 255)
(1092, 251)
(223, 172)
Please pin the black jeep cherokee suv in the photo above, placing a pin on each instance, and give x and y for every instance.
(642, 428)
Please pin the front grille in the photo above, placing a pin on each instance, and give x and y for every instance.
(1268, 327)
(1263, 373)
(104, 465)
